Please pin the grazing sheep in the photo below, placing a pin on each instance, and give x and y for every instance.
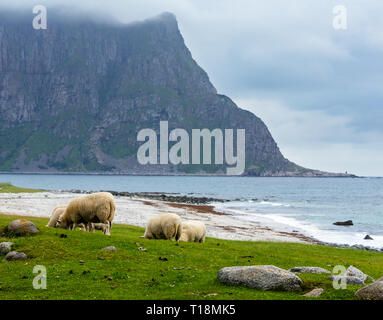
(193, 231)
(57, 212)
(164, 226)
(93, 208)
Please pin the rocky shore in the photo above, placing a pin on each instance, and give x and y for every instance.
(175, 197)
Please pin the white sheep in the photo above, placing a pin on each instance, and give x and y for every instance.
(93, 208)
(193, 231)
(57, 212)
(164, 226)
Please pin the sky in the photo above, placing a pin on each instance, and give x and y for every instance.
(317, 88)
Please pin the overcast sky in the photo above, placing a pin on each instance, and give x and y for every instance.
(319, 90)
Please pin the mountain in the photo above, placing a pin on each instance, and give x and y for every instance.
(74, 96)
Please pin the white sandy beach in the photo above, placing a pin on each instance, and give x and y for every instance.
(136, 211)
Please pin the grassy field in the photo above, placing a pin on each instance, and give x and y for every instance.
(190, 271)
(8, 188)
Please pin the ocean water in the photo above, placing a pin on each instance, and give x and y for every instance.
(307, 205)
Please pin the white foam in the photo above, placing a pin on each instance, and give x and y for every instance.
(286, 222)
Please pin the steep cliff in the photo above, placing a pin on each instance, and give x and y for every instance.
(74, 96)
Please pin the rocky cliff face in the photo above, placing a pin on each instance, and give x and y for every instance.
(74, 96)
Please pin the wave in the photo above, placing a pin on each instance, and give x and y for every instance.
(289, 222)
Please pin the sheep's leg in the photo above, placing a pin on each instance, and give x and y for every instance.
(91, 227)
(107, 229)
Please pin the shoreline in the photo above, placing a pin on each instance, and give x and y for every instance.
(137, 211)
(172, 174)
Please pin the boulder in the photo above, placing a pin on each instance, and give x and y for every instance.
(373, 291)
(314, 293)
(344, 223)
(14, 255)
(22, 227)
(354, 272)
(348, 279)
(367, 237)
(315, 270)
(6, 247)
(261, 278)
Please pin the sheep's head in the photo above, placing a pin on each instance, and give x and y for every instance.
(61, 223)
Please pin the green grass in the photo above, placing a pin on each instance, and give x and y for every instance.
(189, 273)
(9, 188)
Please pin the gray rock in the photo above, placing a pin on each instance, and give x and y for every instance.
(14, 255)
(110, 248)
(344, 223)
(315, 270)
(368, 237)
(314, 293)
(6, 247)
(373, 291)
(349, 280)
(354, 272)
(261, 278)
(22, 227)
(358, 246)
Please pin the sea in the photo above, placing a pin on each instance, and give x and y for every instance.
(309, 206)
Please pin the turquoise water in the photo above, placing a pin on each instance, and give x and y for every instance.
(308, 205)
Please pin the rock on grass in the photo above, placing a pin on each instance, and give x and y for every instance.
(314, 270)
(110, 248)
(373, 291)
(6, 247)
(22, 227)
(261, 278)
(314, 293)
(348, 280)
(354, 272)
(14, 256)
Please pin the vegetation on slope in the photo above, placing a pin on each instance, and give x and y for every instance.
(9, 188)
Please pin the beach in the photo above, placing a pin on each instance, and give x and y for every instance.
(137, 211)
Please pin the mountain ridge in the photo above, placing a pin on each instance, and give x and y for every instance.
(73, 98)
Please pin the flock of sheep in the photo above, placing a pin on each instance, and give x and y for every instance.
(96, 211)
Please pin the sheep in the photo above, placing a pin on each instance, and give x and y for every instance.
(164, 226)
(57, 212)
(97, 208)
(193, 231)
